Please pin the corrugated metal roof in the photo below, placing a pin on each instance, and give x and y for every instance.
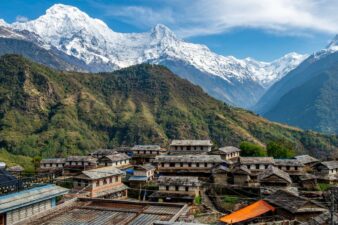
(191, 143)
(27, 197)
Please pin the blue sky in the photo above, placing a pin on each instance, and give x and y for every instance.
(264, 29)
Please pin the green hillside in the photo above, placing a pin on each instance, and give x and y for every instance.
(48, 113)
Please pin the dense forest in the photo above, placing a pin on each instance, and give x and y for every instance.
(47, 113)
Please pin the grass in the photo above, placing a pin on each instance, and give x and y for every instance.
(324, 186)
(12, 160)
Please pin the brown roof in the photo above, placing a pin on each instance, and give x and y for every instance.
(288, 162)
(179, 180)
(274, 171)
(257, 160)
(293, 203)
(191, 143)
(188, 158)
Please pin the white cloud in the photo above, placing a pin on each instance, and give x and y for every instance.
(21, 19)
(203, 17)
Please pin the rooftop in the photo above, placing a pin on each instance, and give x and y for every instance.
(30, 196)
(53, 160)
(102, 151)
(330, 164)
(179, 180)
(288, 162)
(257, 160)
(274, 171)
(81, 159)
(305, 159)
(88, 211)
(229, 149)
(147, 147)
(189, 158)
(191, 143)
(7, 179)
(116, 157)
(144, 167)
(100, 173)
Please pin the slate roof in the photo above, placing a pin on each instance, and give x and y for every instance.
(274, 171)
(179, 180)
(330, 164)
(16, 168)
(103, 152)
(257, 160)
(53, 160)
(145, 167)
(19, 199)
(220, 169)
(189, 158)
(305, 159)
(307, 176)
(100, 173)
(191, 143)
(321, 219)
(81, 159)
(115, 157)
(229, 149)
(241, 170)
(288, 162)
(147, 147)
(293, 203)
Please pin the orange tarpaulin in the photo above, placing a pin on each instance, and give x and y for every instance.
(251, 211)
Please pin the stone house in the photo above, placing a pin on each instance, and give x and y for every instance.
(307, 161)
(119, 160)
(242, 176)
(293, 207)
(146, 153)
(187, 164)
(308, 182)
(177, 188)
(327, 171)
(220, 174)
(291, 166)
(256, 164)
(74, 165)
(228, 153)
(103, 182)
(142, 174)
(24, 204)
(179, 147)
(99, 153)
(273, 179)
(52, 165)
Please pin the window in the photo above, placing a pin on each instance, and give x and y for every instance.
(266, 166)
(97, 183)
(167, 188)
(195, 148)
(176, 188)
(162, 164)
(186, 188)
(175, 147)
(257, 166)
(104, 181)
(197, 164)
(296, 167)
(288, 168)
(116, 179)
(181, 164)
(205, 164)
(189, 164)
(172, 164)
(188, 147)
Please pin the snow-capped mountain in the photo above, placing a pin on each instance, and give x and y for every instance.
(240, 82)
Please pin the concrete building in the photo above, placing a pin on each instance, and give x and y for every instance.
(142, 154)
(52, 165)
(119, 160)
(256, 164)
(177, 188)
(228, 153)
(187, 164)
(180, 147)
(21, 205)
(101, 182)
(76, 164)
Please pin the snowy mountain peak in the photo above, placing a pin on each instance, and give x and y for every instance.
(3, 23)
(161, 31)
(334, 43)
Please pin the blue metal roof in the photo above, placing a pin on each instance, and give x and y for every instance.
(30, 196)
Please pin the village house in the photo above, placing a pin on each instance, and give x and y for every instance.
(177, 188)
(146, 153)
(119, 160)
(220, 174)
(100, 182)
(273, 179)
(76, 164)
(180, 147)
(187, 164)
(228, 153)
(142, 174)
(291, 206)
(242, 176)
(99, 153)
(52, 165)
(307, 161)
(8, 182)
(308, 182)
(327, 171)
(291, 166)
(257, 164)
(16, 170)
(21, 205)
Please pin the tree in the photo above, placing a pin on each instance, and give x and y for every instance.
(36, 162)
(280, 149)
(252, 149)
